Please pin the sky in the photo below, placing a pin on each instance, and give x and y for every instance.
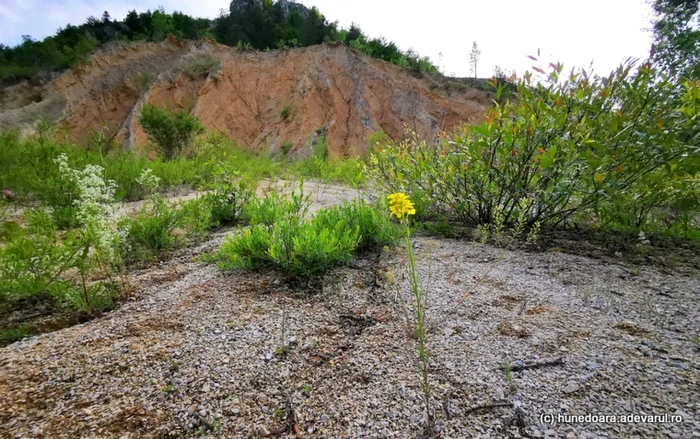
(573, 32)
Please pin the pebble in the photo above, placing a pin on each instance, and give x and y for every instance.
(571, 387)
(324, 418)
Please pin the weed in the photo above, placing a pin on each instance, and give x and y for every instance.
(286, 147)
(144, 80)
(287, 111)
(507, 372)
(401, 207)
(11, 335)
(150, 233)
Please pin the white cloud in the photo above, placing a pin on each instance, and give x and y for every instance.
(575, 33)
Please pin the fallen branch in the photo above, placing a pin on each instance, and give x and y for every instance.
(488, 407)
(534, 365)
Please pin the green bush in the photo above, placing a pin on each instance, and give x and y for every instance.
(375, 227)
(150, 233)
(33, 261)
(38, 263)
(281, 237)
(195, 216)
(171, 131)
(564, 147)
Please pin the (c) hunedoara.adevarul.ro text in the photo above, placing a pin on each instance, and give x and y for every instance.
(562, 418)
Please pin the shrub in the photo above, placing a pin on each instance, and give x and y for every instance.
(38, 263)
(200, 65)
(227, 202)
(34, 264)
(170, 130)
(280, 237)
(195, 216)
(582, 144)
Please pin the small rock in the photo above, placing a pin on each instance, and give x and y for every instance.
(202, 413)
(324, 418)
(686, 417)
(292, 340)
(265, 409)
(268, 356)
(206, 388)
(571, 387)
(236, 411)
(262, 431)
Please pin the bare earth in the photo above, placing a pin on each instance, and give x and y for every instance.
(197, 352)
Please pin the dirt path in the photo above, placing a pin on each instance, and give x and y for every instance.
(197, 354)
(322, 194)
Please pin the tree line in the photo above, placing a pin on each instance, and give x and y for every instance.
(261, 26)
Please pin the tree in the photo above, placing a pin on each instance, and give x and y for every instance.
(474, 57)
(677, 37)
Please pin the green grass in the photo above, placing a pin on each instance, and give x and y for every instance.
(27, 167)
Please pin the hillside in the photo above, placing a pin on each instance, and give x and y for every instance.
(260, 99)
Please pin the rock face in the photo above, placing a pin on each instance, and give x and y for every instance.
(260, 99)
(240, 5)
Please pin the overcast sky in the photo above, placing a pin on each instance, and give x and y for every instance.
(571, 31)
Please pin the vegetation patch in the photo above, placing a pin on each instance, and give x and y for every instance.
(282, 237)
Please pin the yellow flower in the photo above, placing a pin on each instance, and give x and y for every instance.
(400, 205)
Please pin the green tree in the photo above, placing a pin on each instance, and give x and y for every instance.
(677, 36)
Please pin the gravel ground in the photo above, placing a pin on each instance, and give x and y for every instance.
(200, 353)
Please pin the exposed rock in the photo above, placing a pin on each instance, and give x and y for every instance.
(241, 5)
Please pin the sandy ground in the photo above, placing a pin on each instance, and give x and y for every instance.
(197, 353)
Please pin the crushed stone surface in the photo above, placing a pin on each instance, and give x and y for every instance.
(202, 353)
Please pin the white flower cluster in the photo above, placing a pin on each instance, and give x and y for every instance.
(96, 206)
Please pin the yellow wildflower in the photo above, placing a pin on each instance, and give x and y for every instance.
(400, 205)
